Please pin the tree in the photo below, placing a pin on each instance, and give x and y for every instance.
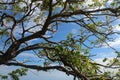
(23, 21)
(15, 74)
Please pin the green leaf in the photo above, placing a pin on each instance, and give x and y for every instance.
(69, 36)
(118, 53)
(4, 77)
(105, 59)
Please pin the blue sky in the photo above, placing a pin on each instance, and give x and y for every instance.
(50, 75)
(64, 29)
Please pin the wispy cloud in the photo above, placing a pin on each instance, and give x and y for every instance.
(104, 69)
(27, 55)
(115, 43)
(116, 28)
(74, 31)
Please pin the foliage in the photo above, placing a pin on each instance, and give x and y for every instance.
(15, 74)
(30, 25)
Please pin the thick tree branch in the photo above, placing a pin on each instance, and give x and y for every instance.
(10, 53)
(60, 68)
(48, 25)
(82, 12)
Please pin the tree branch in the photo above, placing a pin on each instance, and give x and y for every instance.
(60, 68)
(82, 12)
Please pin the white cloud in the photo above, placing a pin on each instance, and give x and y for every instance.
(109, 1)
(116, 28)
(115, 43)
(74, 31)
(64, 0)
(27, 55)
(100, 61)
(104, 69)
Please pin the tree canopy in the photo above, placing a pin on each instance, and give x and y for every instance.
(30, 25)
